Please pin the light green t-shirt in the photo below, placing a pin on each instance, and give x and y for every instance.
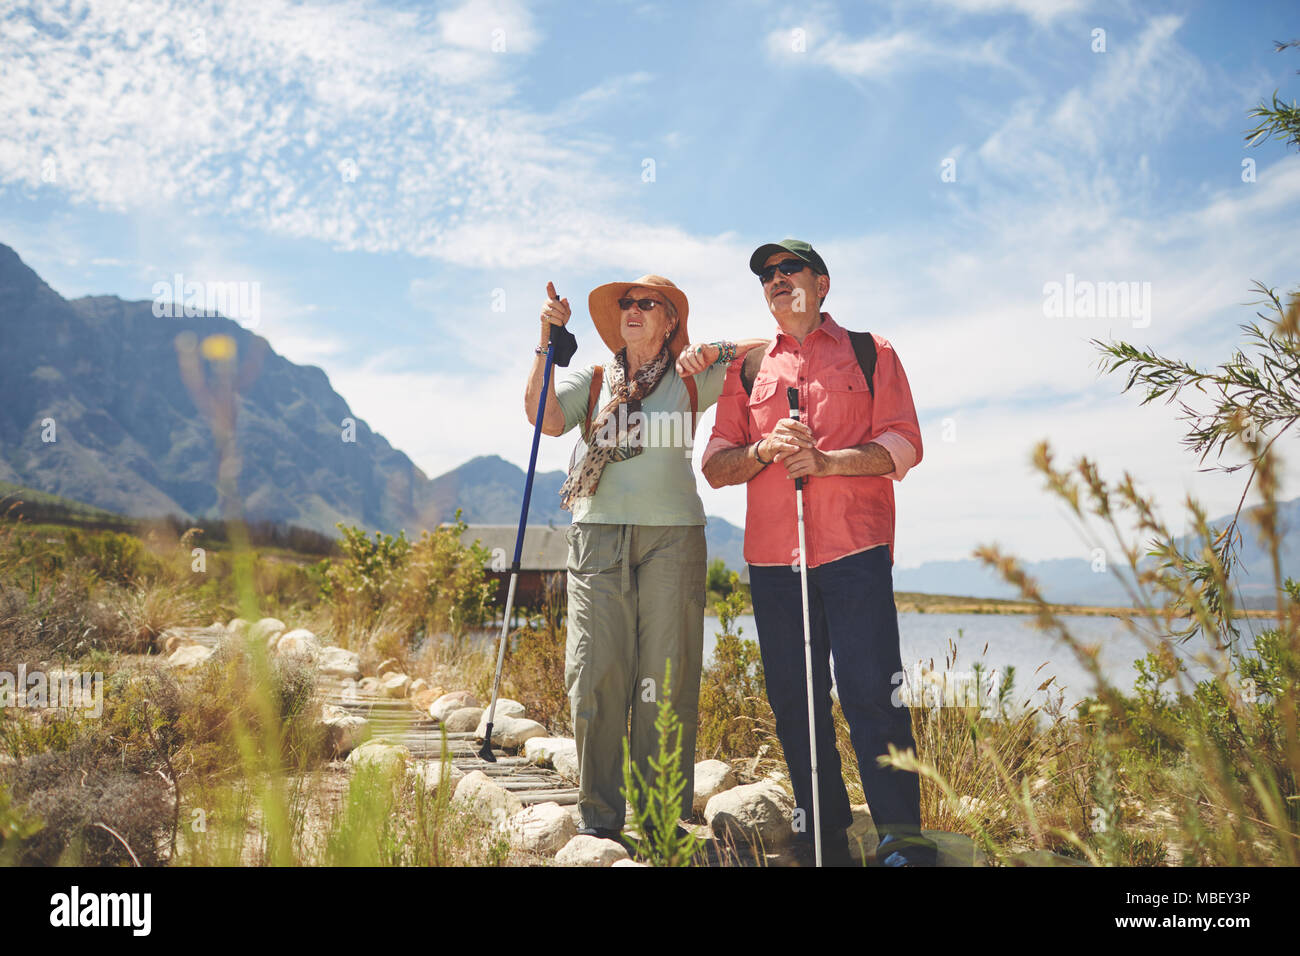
(656, 487)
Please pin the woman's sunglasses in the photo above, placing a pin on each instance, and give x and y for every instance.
(645, 305)
(788, 267)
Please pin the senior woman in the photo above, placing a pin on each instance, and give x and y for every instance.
(637, 560)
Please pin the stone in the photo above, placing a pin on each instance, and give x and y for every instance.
(542, 750)
(238, 627)
(266, 629)
(421, 699)
(628, 862)
(344, 731)
(392, 757)
(417, 685)
(509, 732)
(298, 643)
(464, 720)
(711, 778)
(478, 792)
(429, 773)
(394, 684)
(565, 763)
(445, 704)
(590, 851)
(507, 708)
(172, 642)
(368, 685)
(338, 662)
(752, 814)
(390, 664)
(189, 656)
(541, 828)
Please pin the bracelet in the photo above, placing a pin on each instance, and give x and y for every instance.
(757, 456)
(726, 352)
(541, 349)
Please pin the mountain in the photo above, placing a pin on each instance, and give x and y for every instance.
(488, 491)
(101, 377)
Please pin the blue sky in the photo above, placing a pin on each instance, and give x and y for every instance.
(381, 169)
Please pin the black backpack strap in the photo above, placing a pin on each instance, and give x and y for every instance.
(864, 347)
(749, 371)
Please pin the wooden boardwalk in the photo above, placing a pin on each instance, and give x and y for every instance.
(396, 721)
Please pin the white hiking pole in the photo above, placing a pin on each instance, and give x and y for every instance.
(554, 341)
(792, 395)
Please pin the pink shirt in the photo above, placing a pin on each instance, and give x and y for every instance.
(843, 515)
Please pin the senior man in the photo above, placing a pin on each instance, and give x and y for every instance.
(857, 433)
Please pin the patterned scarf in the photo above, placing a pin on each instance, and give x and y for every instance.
(626, 438)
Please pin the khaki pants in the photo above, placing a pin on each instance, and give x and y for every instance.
(636, 600)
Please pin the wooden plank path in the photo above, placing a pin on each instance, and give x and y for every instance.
(396, 721)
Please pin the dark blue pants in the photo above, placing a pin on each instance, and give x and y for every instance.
(851, 609)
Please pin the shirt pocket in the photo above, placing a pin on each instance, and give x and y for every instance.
(842, 405)
(767, 404)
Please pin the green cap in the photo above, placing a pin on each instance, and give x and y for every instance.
(796, 246)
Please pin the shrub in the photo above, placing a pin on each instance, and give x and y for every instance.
(735, 719)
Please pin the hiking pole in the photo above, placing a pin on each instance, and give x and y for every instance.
(564, 341)
(792, 395)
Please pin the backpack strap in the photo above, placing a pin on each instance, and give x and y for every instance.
(749, 371)
(864, 347)
(593, 395)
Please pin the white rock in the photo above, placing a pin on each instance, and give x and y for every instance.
(368, 685)
(338, 662)
(542, 750)
(478, 791)
(238, 627)
(507, 708)
(394, 684)
(750, 813)
(343, 730)
(590, 851)
(629, 862)
(298, 643)
(565, 762)
(189, 656)
(711, 778)
(510, 731)
(417, 685)
(445, 704)
(429, 773)
(390, 664)
(464, 720)
(266, 628)
(393, 757)
(541, 828)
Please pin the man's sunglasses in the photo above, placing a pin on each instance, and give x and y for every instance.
(645, 305)
(788, 267)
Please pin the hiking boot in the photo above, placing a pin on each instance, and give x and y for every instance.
(896, 851)
(835, 851)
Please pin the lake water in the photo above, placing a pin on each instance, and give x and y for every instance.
(1013, 639)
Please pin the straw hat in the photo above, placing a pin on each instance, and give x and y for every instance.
(608, 318)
